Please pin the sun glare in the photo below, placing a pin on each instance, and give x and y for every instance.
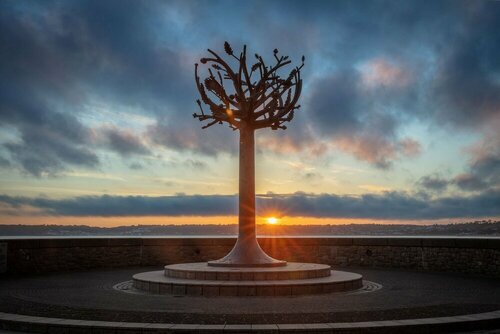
(272, 220)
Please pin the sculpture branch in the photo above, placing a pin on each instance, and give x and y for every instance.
(232, 97)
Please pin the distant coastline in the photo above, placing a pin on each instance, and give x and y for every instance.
(476, 228)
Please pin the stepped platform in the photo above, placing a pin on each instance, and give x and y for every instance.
(269, 284)
(203, 271)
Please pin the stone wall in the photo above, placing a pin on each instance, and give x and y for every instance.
(478, 256)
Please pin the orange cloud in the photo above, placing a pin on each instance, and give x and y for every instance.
(292, 145)
(376, 149)
(409, 147)
(380, 72)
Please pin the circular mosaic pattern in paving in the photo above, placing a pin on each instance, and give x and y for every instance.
(303, 279)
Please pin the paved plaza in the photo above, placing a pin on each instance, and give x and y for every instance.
(96, 295)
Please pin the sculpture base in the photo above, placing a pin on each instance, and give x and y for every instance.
(203, 271)
(200, 279)
(247, 253)
(238, 264)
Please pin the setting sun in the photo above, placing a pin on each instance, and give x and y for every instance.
(272, 220)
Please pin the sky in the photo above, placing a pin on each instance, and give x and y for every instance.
(399, 118)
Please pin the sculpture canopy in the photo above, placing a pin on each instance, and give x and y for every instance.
(247, 99)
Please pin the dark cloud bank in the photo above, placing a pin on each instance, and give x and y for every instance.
(391, 205)
(58, 56)
(483, 172)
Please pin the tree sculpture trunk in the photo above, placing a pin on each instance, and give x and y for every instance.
(247, 184)
(247, 252)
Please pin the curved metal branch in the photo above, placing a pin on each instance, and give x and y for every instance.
(231, 74)
(268, 102)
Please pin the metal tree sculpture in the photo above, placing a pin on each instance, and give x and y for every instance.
(247, 99)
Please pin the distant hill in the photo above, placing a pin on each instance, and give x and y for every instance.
(476, 228)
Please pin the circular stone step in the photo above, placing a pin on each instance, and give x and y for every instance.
(202, 271)
(156, 282)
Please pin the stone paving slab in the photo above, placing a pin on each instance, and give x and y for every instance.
(490, 320)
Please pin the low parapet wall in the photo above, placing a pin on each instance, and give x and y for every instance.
(479, 256)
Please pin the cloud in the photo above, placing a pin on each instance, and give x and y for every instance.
(379, 72)
(136, 166)
(376, 149)
(433, 183)
(58, 58)
(489, 167)
(352, 121)
(312, 176)
(196, 164)
(469, 182)
(373, 70)
(482, 172)
(388, 205)
(179, 137)
(106, 205)
(293, 142)
(334, 103)
(360, 81)
(409, 147)
(4, 163)
(46, 147)
(124, 142)
(466, 85)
